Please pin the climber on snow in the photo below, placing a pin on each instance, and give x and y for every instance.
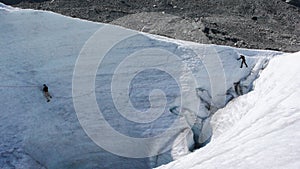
(243, 61)
(46, 93)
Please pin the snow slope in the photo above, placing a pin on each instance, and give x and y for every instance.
(176, 84)
(259, 129)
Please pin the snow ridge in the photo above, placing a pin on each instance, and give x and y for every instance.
(258, 129)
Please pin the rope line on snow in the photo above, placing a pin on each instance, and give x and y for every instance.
(17, 86)
(34, 86)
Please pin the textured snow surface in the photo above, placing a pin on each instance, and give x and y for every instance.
(38, 47)
(259, 129)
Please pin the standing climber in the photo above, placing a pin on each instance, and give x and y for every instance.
(46, 93)
(243, 61)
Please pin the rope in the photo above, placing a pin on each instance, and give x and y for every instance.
(16, 86)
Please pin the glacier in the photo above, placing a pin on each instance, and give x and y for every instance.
(121, 98)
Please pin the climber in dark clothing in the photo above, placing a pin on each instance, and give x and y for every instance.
(46, 93)
(45, 89)
(243, 61)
